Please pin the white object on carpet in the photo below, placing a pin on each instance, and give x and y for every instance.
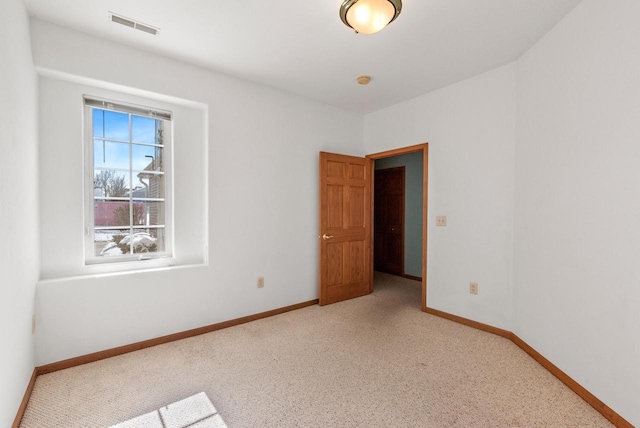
(196, 411)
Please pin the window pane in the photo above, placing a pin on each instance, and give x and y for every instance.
(111, 213)
(153, 185)
(147, 158)
(143, 129)
(108, 154)
(108, 183)
(148, 213)
(98, 123)
(109, 242)
(128, 165)
(110, 124)
(148, 240)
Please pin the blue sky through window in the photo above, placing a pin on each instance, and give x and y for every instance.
(110, 125)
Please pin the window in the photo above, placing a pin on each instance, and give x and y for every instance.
(126, 162)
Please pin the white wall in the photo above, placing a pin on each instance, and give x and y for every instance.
(263, 149)
(18, 208)
(577, 236)
(470, 128)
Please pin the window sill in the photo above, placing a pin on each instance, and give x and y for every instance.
(121, 268)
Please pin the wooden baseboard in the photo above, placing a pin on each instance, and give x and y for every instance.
(25, 400)
(415, 278)
(470, 323)
(96, 356)
(591, 399)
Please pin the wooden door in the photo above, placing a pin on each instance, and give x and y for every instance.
(388, 254)
(346, 269)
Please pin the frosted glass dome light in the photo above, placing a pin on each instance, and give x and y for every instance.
(369, 16)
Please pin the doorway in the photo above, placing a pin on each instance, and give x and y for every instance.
(414, 159)
(345, 219)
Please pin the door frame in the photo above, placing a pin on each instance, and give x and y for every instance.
(424, 148)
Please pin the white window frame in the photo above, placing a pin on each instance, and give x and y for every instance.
(90, 258)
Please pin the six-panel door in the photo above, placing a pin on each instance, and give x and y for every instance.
(345, 227)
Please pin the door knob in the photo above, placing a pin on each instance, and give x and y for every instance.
(325, 236)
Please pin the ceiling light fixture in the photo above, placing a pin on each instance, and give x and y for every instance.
(369, 16)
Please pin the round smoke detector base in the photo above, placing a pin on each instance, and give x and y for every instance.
(364, 80)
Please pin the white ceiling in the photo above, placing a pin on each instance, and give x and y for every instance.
(304, 48)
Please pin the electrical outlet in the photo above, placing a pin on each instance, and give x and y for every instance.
(260, 281)
(441, 220)
(473, 287)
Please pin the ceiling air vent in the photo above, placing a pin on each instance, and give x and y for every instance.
(128, 22)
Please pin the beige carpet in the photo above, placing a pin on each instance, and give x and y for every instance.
(375, 361)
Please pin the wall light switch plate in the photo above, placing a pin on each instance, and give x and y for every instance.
(441, 220)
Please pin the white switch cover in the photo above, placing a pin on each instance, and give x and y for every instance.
(441, 220)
